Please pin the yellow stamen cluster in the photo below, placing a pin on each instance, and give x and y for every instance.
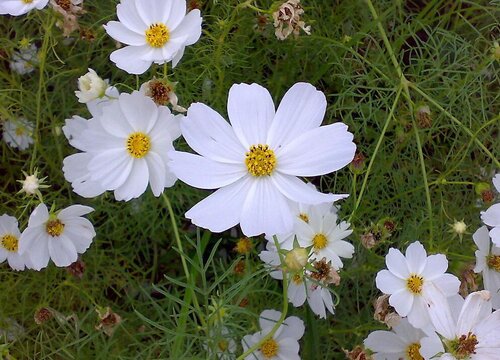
(54, 227)
(138, 145)
(319, 241)
(243, 246)
(223, 345)
(10, 242)
(493, 262)
(260, 160)
(465, 346)
(27, 1)
(157, 35)
(413, 352)
(414, 283)
(304, 217)
(269, 348)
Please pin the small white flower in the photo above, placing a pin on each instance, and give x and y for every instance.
(256, 163)
(283, 345)
(125, 148)
(18, 133)
(20, 7)
(155, 30)
(491, 217)
(407, 280)
(488, 262)
(91, 87)
(402, 343)
(9, 243)
(60, 236)
(221, 345)
(469, 328)
(24, 60)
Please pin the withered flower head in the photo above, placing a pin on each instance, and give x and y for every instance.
(108, 320)
(384, 313)
(287, 20)
(43, 315)
(325, 273)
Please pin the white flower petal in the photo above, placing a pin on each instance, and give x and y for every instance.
(416, 257)
(251, 110)
(127, 14)
(39, 216)
(268, 318)
(332, 150)
(301, 109)
(384, 342)
(396, 263)
(482, 239)
(157, 172)
(111, 168)
(190, 25)
(62, 251)
(418, 315)
(136, 183)
(129, 59)
(491, 216)
(402, 301)
(476, 308)
(293, 328)
(495, 235)
(439, 311)
(447, 283)
(140, 111)
(388, 283)
(121, 33)
(74, 211)
(496, 182)
(435, 266)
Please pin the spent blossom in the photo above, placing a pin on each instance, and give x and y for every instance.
(287, 20)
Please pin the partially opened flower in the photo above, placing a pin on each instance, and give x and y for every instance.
(20, 7)
(9, 243)
(283, 345)
(470, 330)
(402, 343)
(491, 217)
(125, 149)
(408, 278)
(258, 160)
(154, 30)
(488, 262)
(59, 236)
(18, 133)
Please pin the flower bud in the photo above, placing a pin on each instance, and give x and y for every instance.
(90, 87)
(296, 259)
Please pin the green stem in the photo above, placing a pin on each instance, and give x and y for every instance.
(283, 312)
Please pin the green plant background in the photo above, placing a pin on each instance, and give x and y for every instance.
(436, 53)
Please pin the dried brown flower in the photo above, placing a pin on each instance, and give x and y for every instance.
(358, 353)
(43, 315)
(70, 10)
(108, 320)
(287, 20)
(384, 313)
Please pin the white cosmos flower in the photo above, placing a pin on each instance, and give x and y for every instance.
(155, 30)
(20, 7)
(283, 345)
(491, 217)
(9, 243)
(488, 262)
(403, 342)
(24, 60)
(407, 280)
(469, 328)
(59, 236)
(124, 149)
(18, 133)
(258, 160)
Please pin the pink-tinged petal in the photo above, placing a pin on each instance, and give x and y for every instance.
(136, 183)
(317, 152)
(416, 257)
(251, 111)
(210, 135)
(39, 216)
(418, 317)
(491, 216)
(447, 283)
(62, 251)
(177, 14)
(127, 14)
(266, 210)
(384, 342)
(191, 26)
(436, 266)
(140, 111)
(396, 263)
(402, 301)
(440, 313)
(157, 172)
(124, 35)
(388, 283)
(209, 213)
(476, 308)
(204, 173)
(482, 239)
(74, 211)
(297, 190)
(301, 109)
(269, 318)
(130, 59)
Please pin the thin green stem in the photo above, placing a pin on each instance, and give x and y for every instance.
(284, 311)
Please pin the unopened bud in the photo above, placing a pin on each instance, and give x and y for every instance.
(296, 259)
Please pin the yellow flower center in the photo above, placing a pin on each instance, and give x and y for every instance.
(319, 241)
(464, 346)
(414, 283)
(243, 246)
(304, 217)
(138, 145)
(413, 352)
(223, 345)
(54, 227)
(493, 262)
(10, 242)
(297, 279)
(20, 131)
(27, 1)
(269, 348)
(260, 160)
(157, 35)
